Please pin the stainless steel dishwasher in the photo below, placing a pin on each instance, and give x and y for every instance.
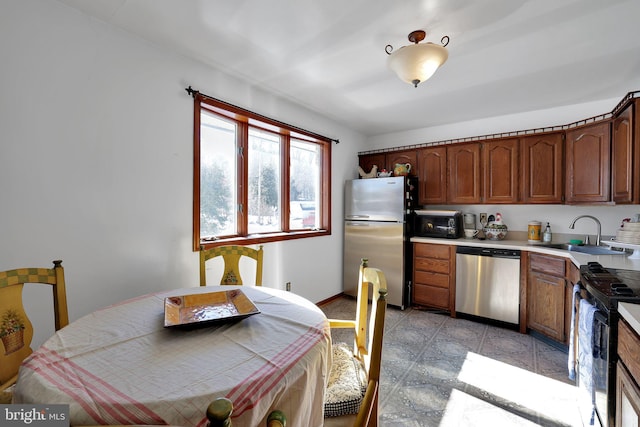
(488, 283)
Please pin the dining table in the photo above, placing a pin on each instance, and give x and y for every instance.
(122, 365)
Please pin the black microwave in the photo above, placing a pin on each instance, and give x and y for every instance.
(438, 223)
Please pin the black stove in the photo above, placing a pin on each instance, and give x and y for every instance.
(610, 286)
(606, 287)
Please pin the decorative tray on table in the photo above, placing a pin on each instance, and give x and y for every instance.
(196, 310)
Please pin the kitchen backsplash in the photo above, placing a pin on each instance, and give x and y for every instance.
(517, 217)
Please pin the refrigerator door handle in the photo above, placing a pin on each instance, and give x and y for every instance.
(358, 216)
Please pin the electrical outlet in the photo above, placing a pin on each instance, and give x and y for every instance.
(288, 286)
(483, 218)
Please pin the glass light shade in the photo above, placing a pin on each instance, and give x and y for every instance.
(415, 63)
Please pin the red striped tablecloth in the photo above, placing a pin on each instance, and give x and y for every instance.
(119, 365)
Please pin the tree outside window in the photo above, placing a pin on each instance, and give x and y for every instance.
(258, 180)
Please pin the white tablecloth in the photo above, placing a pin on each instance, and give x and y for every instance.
(119, 365)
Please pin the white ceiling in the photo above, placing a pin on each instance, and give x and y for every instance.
(505, 56)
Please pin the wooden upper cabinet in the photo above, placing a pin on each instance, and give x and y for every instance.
(622, 161)
(463, 173)
(388, 160)
(542, 177)
(368, 160)
(402, 157)
(432, 168)
(588, 164)
(500, 171)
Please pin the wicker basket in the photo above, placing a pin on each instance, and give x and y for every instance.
(13, 342)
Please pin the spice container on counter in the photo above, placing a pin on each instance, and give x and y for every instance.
(534, 231)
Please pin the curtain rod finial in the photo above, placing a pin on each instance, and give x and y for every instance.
(192, 91)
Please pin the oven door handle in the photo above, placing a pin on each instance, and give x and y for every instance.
(601, 317)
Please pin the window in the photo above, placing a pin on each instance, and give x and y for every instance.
(256, 179)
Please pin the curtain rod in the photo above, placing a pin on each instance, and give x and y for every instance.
(194, 92)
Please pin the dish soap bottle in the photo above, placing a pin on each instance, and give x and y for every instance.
(546, 236)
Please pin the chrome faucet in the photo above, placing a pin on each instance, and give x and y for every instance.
(573, 223)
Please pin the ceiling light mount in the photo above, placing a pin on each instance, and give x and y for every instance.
(417, 36)
(417, 62)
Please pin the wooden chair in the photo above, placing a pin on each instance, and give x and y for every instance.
(231, 256)
(16, 330)
(220, 410)
(366, 353)
(219, 414)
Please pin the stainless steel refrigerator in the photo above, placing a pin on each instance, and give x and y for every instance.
(377, 227)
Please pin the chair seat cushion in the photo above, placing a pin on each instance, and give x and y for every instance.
(347, 383)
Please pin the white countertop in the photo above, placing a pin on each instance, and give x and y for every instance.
(621, 261)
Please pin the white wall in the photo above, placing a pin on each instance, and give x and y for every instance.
(510, 123)
(96, 161)
(516, 217)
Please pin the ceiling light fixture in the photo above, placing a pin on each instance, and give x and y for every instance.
(416, 62)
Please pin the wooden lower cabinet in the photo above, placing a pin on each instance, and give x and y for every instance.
(627, 399)
(546, 305)
(547, 296)
(434, 276)
(628, 374)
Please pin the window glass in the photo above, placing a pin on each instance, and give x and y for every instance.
(264, 182)
(218, 176)
(304, 184)
(256, 179)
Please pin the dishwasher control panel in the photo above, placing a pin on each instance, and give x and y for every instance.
(491, 252)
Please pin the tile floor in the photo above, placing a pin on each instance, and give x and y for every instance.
(441, 371)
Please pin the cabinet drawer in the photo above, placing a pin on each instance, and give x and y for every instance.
(547, 264)
(431, 296)
(432, 251)
(628, 344)
(431, 264)
(432, 279)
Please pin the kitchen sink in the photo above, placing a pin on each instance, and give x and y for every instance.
(585, 249)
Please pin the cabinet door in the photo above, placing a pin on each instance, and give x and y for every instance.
(432, 168)
(463, 173)
(622, 157)
(542, 177)
(627, 398)
(588, 164)
(402, 157)
(500, 171)
(545, 311)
